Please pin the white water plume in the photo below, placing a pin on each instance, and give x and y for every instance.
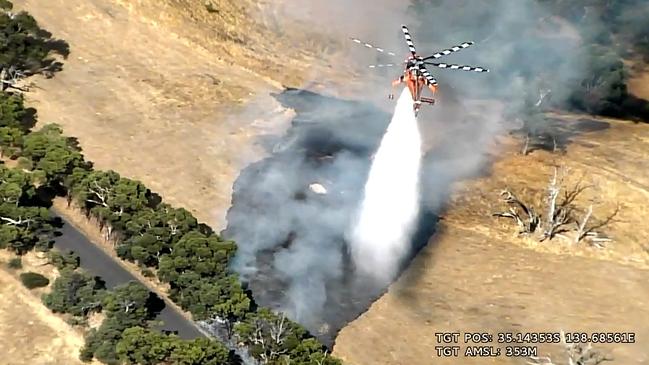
(389, 210)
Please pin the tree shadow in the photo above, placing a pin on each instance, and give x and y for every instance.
(636, 109)
(28, 121)
(100, 284)
(154, 304)
(53, 47)
(50, 67)
(58, 46)
(73, 142)
(44, 196)
(57, 222)
(555, 134)
(154, 199)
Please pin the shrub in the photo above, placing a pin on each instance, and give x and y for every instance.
(15, 263)
(148, 273)
(64, 260)
(32, 280)
(25, 163)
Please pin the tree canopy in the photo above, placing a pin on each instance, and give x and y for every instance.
(24, 45)
(127, 305)
(75, 293)
(145, 347)
(23, 224)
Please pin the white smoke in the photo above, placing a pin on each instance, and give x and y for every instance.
(380, 237)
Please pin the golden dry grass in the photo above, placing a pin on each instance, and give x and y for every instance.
(476, 275)
(148, 89)
(155, 91)
(159, 107)
(170, 94)
(31, 334)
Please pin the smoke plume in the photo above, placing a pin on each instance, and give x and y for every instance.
(288, 234)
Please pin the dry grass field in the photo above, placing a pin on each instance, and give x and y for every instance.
(31, 333)
(477, 275)
(176, 99)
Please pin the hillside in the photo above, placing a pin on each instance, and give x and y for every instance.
(155, 90)
(476, 275)
(176, 93)
(32, 334)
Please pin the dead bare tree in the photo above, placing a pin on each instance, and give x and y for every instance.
(16, 222)
(542, 94)
(590, 233)
(11, 77)
(525, 217)
(532, 116)
(270, 336)
(577, 354)
(526, 145)
(560, 216)
(127, 305)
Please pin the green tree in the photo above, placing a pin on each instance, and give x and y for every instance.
(23, 228)
(111, 198)
(24, 46)
(68, 260)
(12, 111)
(127, 305)
(22, 224)
(208, 298)
(207, 256)
(75, 293)
(100, 343)
(310, 352)
(6, 5)
(144, 347)
(15, 186)
(52, 154)
(11, 141)
(151, 233)
(39, 142)
(130, 304)
(201, 351)
(269, 336)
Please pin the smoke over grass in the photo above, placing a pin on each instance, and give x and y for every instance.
(292, 241)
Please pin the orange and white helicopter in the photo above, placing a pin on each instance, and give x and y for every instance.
(415, 74)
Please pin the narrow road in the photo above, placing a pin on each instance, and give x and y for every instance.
(98, 263)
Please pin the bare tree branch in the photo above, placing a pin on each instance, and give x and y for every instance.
(10, 77)
(526, 145)
(560, 213)
(527, 223)
(19, 222)
(101, 193)
(590, 233)
(577, 354)
(540, 360)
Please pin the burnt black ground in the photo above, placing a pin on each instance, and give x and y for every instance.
(324, 132)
